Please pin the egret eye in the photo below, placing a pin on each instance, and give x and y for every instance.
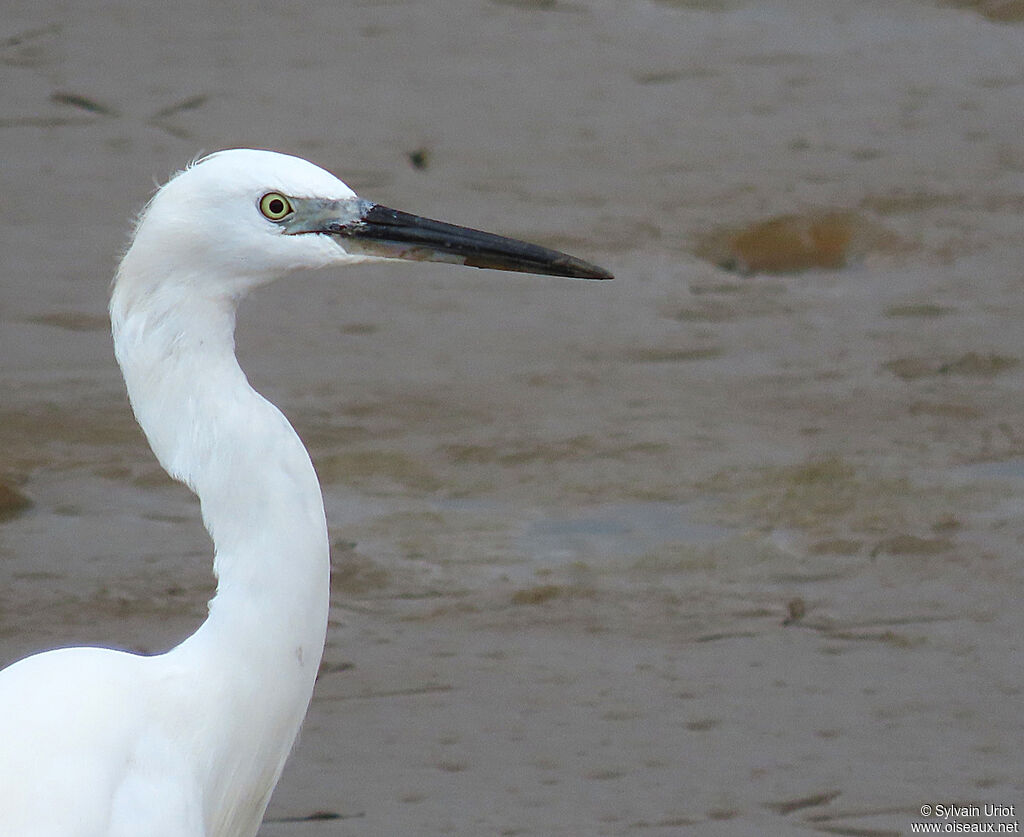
(275, 206)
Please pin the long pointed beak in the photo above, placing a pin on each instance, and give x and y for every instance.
(377, 230)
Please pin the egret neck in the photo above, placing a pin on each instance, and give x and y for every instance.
(262, 505)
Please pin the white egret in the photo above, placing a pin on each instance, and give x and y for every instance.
(190, 743)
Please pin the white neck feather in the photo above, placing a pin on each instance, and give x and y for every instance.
(257, 654)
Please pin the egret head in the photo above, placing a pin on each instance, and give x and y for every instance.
(240, 218)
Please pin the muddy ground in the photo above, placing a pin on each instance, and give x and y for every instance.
(729, 546)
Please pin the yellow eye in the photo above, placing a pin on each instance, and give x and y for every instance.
(275, 206)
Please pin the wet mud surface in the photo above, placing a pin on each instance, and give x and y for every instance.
(731, 545)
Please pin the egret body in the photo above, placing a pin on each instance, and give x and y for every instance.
(190, 743)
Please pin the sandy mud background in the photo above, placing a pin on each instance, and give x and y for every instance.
(730, 546)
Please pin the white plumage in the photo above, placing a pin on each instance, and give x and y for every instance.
(190, 743)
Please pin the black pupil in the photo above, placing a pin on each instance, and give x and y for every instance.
(276, 206)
